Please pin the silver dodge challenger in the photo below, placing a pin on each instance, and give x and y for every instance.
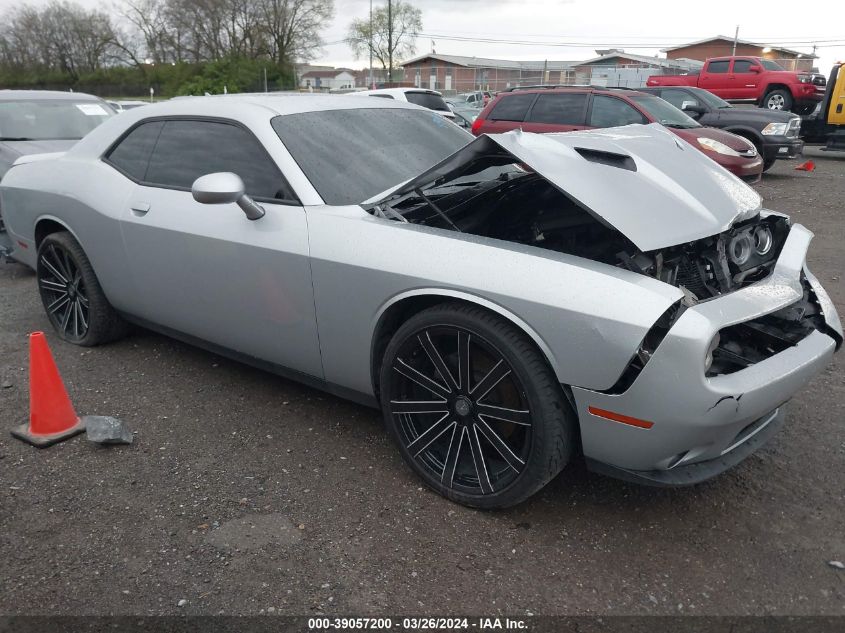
(506, 301)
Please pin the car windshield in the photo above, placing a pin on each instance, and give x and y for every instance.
(709, 99)
(50, 119)
(352, 155)
(663, 112)
(768, 64)
(427, 100)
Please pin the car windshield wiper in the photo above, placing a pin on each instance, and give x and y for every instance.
(15, 138)
(455, 184)
(680, 126)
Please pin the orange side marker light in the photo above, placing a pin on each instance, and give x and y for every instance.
(618, 417)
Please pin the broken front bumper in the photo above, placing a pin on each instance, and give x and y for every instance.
(693, 419)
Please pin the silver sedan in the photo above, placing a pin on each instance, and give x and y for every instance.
(506, 301)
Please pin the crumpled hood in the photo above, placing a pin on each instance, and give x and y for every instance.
(659, 191)
(12, 150)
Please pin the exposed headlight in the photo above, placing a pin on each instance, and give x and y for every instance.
(776, 129)
(740, 248)
(805, 79)
(716, 146)
(708, 359)
(763, 239)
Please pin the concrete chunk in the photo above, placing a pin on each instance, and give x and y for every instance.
(105, 430)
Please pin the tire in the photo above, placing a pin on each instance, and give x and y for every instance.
(72, 297)
(441, 418)
(778, 99)
(768, 163)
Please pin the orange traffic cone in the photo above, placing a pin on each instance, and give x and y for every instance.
(51, 415)
(806, 166)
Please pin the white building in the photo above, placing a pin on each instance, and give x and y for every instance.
(324, 80)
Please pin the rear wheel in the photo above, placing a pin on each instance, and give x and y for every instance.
(778, 99)
(473, 406)
(71, 293)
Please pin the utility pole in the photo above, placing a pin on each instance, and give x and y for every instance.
(265, 79)
(389, 40)
(736, 37)
(372, 83)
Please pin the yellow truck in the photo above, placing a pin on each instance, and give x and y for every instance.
(827, 122)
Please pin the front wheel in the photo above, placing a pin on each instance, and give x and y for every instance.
(473, 406)
(778, 100)
(71, 293)
(768, 163)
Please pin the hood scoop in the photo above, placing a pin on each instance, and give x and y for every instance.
(612, 159)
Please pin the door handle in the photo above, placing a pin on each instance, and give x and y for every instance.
(140, 209)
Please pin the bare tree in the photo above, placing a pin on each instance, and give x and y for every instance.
(62, 36)
(393, 32)
(292, 27)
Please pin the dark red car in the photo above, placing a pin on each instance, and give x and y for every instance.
(559, 109)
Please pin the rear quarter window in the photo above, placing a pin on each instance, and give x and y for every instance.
(512, 107)
(132, 154)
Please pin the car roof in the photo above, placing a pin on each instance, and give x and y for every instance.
(586, 89)
(29, 95)
(271, 103)
(253, 110)
(395, 91)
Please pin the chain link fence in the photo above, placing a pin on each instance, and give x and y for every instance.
(455, 79)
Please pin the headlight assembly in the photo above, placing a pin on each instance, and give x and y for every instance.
(740, 248)
(716, 146)
(776, 129)
(763, 239)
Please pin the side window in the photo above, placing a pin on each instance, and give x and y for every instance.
(678, 97)
(512, 107)
(187, 150)
(742, 65)
(610, 112)
(561, 108)
(718, 66)
(132, 154)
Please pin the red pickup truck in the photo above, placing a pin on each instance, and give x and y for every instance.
(755, 79)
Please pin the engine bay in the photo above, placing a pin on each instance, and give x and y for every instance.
(518, 205)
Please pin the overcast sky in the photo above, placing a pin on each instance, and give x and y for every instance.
(603, 24)
(642, 27)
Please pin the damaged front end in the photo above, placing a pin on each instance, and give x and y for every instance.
(634, 198)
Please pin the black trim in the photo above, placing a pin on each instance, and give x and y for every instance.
(365, 399)
(647, 347)
(206, 119)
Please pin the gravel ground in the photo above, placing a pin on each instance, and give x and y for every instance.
(246, 493)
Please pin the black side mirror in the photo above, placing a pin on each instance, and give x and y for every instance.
(693, 109)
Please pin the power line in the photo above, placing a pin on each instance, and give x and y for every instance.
(595, 43)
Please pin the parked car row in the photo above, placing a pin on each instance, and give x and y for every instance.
(565, 109)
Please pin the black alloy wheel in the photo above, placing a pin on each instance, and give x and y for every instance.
(473, 406)
(75, 304)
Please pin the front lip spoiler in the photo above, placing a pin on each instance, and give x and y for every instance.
(692, 474)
